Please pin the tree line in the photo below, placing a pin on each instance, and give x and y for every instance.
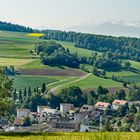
(52, 53)
(14, 27)
(120, 47)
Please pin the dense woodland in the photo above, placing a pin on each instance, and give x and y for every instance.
(119, 47)
(52, 53)
(14, 27)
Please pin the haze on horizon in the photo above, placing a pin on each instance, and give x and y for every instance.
(66, 14)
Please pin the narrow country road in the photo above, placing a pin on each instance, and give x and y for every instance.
(57, 87)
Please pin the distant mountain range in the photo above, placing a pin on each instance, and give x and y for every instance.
(119, 28)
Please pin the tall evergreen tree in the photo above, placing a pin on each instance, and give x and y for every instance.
(25, 93)
(20, 96)
(14, 94)
(43, 88)
(29, 92)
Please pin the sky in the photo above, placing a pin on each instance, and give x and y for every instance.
(67, 13)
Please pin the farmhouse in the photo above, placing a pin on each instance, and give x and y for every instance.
(64, 108)
(23, 112)
(40, 109)
(49, 111)
(103, 105)
(117, 103)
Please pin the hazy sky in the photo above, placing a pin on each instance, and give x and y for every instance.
(62, 13)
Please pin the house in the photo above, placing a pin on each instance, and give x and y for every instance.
(23, 112)
(66, 125)
(117, 103)
(18, 121)
(64, 108)
(40, 109)
(49, 111)
(102, 105)
(53, 118)
(86, 108)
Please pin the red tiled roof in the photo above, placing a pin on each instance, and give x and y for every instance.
(102, 104)
(120, 102)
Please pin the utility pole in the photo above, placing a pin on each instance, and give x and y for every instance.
(101, 121)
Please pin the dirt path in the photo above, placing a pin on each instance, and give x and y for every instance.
(77, 80)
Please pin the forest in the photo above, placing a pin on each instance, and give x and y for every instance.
(14, 27)
(119, 47)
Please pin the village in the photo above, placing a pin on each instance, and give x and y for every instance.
(68, 118)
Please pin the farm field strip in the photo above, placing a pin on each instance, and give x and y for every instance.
(13, 61)
(24, 81)
(74, 136)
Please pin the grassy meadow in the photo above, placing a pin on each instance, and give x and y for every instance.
(72, 136)
(93, 81)
(24, 81)
(80, 51)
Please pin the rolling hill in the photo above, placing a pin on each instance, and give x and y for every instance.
(17, 49)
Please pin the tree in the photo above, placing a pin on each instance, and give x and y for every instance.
(20, 96)
(25, 93)
(14, 94)
(53, 100)
(95, 71)
(43, 88)
(6, 88)
(108, 126)
(103, 73)
(72, 95)
(121, 95)
(26, 121)
(29, 92)
(133, 109)
(36, 100)
(91, 98)
(101, 90)
(127, 65)
(122, 111)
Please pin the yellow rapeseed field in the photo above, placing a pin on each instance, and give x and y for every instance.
(35, 34)
(72, 136)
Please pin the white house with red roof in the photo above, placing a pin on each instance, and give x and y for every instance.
(103, 105)
(117, 103)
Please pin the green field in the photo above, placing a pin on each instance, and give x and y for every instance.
(14, 61)
(93, 81)
(132, 78)
(16, 45)
(135, 64)
(61, 82)
(80, 51)
(36, 64)
(24, 81)
(72, 136)
(21, 82)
